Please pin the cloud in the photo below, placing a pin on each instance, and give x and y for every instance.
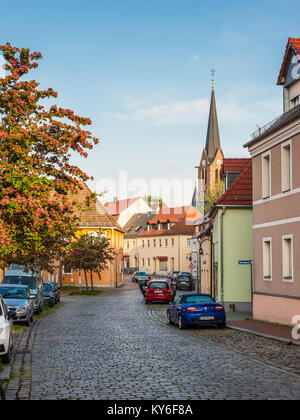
(196, 112)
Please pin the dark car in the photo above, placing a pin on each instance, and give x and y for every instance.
(185, 282)
(173, 276)
(49, 293)
(56, 291)
(139, 276)
(196, 309)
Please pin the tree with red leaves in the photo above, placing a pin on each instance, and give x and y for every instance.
(36, 175)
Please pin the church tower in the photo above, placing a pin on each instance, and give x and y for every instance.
(209, 169)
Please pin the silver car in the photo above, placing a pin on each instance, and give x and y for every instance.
(18, 300)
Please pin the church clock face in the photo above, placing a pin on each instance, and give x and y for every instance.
(219, 162)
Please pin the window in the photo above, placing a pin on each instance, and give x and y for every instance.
(266, 175)
(166, 242)
(173, 242)
(217, 176)
(127, 244)
(148, 243)
(154, 243)
(143, 243)
(160, 243)
(148, 262)
(188, 242)
(295, 102)
(143, 262)
(286, 167)
(267, 259)
(287, 258)
(67, 270)
(148, 228)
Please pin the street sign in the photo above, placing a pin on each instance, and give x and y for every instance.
(191, 266)
(245, 262)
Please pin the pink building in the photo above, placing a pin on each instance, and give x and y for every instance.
(275, 151)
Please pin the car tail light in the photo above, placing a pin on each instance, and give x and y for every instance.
(219, 308)
(192, 310)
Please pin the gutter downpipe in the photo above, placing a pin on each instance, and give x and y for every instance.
(222, 255)
(200, 268)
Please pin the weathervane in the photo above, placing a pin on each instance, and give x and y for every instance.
(213, 72)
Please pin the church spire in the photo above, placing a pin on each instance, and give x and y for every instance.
(213, 137)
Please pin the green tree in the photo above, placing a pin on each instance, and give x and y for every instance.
(212, 195)
(90, 253)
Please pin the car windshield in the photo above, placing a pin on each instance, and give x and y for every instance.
(47, 287)
(183, 278)
(197, 299)
(141, 274)
(54, 285)
(27, 281)
(158, 285)
(13, 293)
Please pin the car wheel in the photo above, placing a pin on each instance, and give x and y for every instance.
(170, 322)
(181, 324)
(6, 358)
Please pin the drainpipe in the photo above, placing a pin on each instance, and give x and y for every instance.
(222, 255)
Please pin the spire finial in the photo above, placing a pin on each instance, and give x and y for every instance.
(213, 71)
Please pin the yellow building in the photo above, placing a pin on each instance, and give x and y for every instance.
(97, 219)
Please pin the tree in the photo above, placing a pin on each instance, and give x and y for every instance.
(90, 253)
(212, 195)
(36, 175)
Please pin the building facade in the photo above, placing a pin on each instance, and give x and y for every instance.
(275, 151)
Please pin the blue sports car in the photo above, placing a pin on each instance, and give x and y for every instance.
(196, 309)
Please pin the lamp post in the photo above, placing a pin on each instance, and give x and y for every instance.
(212, 275)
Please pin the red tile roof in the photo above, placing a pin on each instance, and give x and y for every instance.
(292, 45)
(240, 191)
(235, 165)
(117, 207)
(182, 217)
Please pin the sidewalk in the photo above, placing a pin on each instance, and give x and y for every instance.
(263, 329)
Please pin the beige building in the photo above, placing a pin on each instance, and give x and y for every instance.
(165, 242)
(275, 151)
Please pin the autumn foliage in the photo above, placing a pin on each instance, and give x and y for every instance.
(36, 174)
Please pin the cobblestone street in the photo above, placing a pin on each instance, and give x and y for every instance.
(113, 347)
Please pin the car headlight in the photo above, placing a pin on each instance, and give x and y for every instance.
(21, 309)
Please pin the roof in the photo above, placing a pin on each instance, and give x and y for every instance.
(117, 207)
(136, 224)
(235, 165)
(95, 215)
(182, 217)
(240, 191)
(213, 136)
(280, 122)
(293, 46)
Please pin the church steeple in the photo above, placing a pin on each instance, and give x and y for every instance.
(213, 136)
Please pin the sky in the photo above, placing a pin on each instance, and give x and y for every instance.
(141, 71)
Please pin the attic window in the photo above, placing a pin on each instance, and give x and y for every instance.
(295, 102)
(148, 228)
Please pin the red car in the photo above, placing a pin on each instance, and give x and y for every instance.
(159, 290)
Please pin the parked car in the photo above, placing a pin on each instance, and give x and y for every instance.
(196, 309)
(6, 338)
(159, 290)
(49, 294)
(139, 275)
(17, 274)
(56, 291)
(18, 300)
(173, 276)
(143, 284)
(185, 282)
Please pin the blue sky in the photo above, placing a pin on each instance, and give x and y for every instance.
(141, 71)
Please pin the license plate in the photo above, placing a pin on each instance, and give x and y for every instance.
(158, 292)
(207, 318)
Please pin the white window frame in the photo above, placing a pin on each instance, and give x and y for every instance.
(271, 259)
(67, 274)
(291, 237)
(283, 146)
(264, 196)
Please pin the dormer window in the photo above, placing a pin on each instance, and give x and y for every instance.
(169, 226)
(159, 226)
(295, 102)
(148, 228)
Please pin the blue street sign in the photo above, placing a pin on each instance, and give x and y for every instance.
(245, 262)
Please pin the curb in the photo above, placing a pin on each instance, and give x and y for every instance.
(272, 337)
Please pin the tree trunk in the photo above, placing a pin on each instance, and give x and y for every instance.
(86, 280)
(92, 284)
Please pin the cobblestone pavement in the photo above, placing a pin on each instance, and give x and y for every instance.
(115, 347)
